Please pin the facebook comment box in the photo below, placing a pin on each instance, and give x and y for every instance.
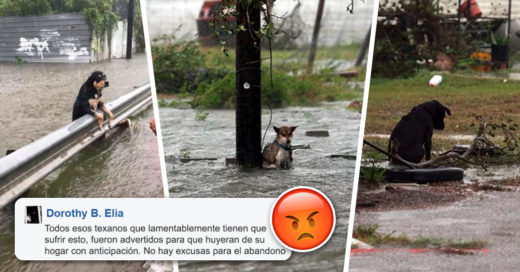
(145, 229)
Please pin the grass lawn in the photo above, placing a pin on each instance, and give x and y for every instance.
(217, 59)
(466, 96)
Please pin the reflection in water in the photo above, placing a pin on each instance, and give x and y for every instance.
(123, 164)
(214, 137)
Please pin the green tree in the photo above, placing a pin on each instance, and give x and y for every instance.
(138, 28)
(24, 7)
(99, 14)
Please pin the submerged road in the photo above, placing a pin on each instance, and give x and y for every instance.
(38, 99)
(186, 135)
(490, 217)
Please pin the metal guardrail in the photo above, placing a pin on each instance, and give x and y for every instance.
(26, 166)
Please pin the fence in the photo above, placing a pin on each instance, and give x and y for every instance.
(63, 37)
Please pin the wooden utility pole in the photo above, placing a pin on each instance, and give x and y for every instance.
(315, 35)
(248, 91)
(130, 28)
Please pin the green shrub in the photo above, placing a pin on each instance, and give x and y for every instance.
(218, 94)
(138, 29)
(24, 7)
(99, 14)
(373, 174)
(415, 31)
(221, 93)
(286, 90)
(175, 63)
(277, 95)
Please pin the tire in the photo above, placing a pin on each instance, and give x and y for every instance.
(422, 176)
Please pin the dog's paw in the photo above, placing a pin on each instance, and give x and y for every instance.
(268, 166)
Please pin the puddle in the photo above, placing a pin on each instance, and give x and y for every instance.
(492, 173)
(495, 172)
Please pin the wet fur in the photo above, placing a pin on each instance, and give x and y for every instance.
(273, 155)
(94, 103)
(411, 138)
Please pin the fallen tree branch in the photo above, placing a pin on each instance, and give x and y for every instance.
(452, 154)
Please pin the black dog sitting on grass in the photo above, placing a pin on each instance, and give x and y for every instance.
(411, 138)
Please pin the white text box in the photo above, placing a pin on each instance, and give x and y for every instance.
(145, 229)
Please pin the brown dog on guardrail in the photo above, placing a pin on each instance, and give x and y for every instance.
(279, 153)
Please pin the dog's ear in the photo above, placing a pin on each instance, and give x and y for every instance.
(293, 128)
(448, 111)
(276, 129)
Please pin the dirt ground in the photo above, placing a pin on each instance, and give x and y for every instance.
(410, 196)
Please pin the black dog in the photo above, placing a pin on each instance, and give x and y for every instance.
(90, 99)
(411, 138)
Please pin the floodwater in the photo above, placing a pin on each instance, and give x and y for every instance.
(183, 135)
(478, 174)
(37, 99)
(485, 216)
(489, 217)
(123, 164)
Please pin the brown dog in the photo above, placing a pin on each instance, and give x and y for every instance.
(279, 153)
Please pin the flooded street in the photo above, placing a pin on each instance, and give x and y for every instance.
(123, 164)
(185, 136)
(489, 217)
(483, 215)
(494, 172)
(37, 98)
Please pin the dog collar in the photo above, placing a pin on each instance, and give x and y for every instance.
(282, 146)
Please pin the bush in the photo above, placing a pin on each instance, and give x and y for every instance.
(286, 90)
(98, 13)
(138, 29)
(174, 64)
(180, 69)
(415, 31)
(218, 94)
(24, 7)
(373, 174)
